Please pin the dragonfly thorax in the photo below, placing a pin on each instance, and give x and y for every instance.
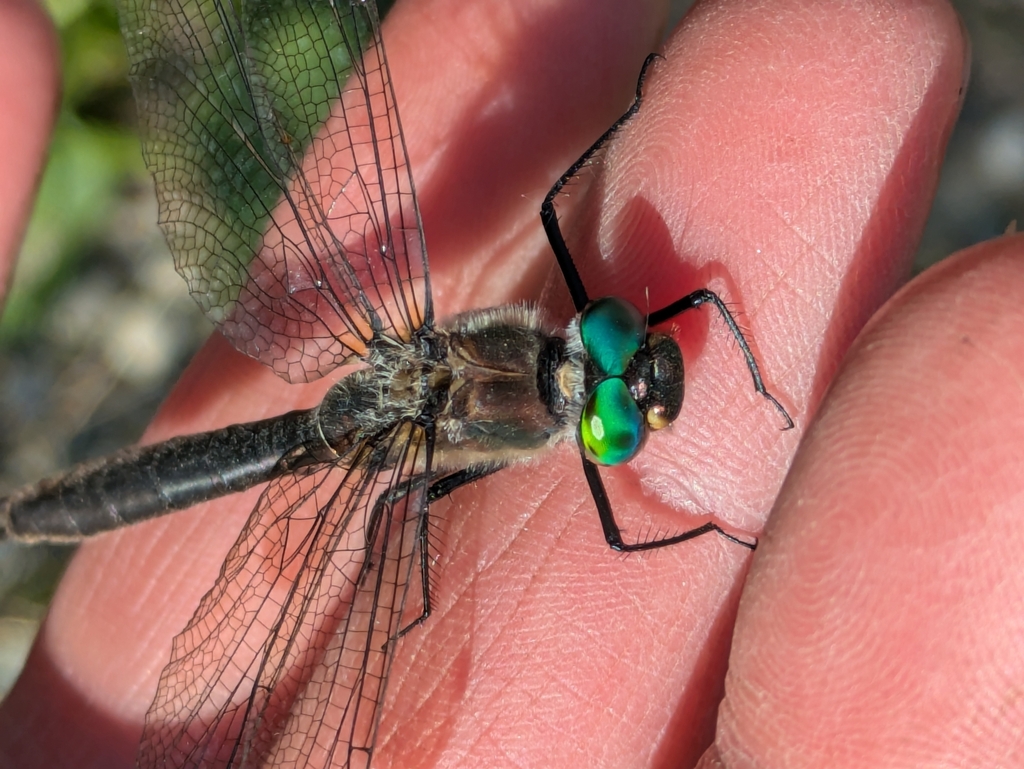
(497, 385)
(513, 389)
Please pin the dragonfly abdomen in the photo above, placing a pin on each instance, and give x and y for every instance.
(146, 481)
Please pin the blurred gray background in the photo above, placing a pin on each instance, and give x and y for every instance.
(98, 326)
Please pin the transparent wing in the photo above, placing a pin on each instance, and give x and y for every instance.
(285, 662)
(283, 183)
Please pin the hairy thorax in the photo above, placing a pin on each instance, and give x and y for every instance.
(499, 385)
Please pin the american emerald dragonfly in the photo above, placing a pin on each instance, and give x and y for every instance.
(286, 197)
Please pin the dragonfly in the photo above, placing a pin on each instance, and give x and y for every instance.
(273, 136)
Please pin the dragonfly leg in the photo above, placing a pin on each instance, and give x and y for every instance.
(444, 486)
(438, 490)
(548, 216)
(613, 536)
(704, 296)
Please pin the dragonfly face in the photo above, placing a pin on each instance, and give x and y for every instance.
(634, 381)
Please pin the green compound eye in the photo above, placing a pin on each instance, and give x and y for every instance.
(612, 427)
(612, 330)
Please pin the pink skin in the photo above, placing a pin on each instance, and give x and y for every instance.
(786, 157)
(29, 77)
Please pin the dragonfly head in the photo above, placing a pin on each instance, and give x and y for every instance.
(634, 381)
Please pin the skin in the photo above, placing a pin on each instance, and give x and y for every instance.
(786, 157)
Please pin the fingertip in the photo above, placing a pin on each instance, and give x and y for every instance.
(781, 124)
(881, 603)
(29, 90)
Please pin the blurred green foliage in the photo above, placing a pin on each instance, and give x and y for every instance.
(94, 156)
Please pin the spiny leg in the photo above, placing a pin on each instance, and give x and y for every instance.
(438, 490)
(704, 296)
(444, 486)
(548, 216)
(613, 536)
